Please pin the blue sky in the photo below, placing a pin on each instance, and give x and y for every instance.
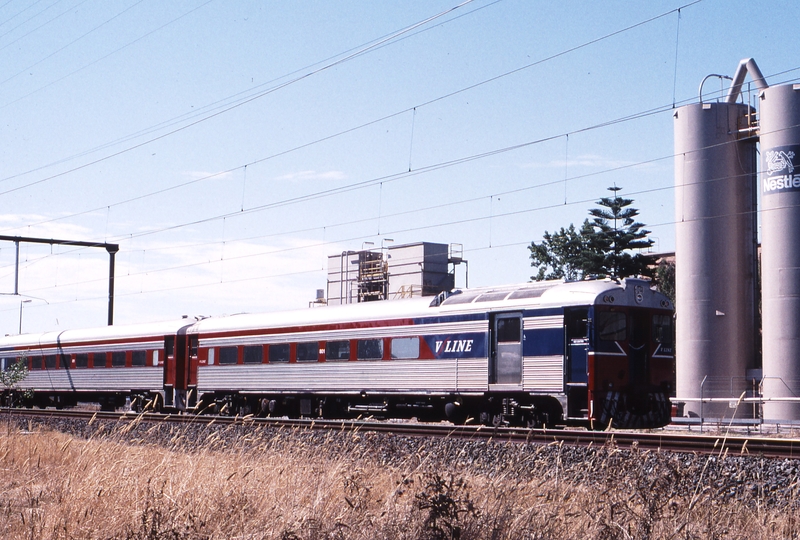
(230, 147)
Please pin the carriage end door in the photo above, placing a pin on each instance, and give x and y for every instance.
(576, 330)
(506, 354)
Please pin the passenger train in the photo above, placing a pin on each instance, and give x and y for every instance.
(538, 354)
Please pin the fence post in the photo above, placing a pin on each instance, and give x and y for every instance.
(702, 402)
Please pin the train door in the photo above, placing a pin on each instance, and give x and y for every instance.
(193, 342)
(169, 370)
(505, 366)
(178, 376)
(638, 347)
(576, 365)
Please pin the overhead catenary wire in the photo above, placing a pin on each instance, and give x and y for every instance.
(313, 246)
(449, 223)
(76, 40)
(329, 224)
(42, 25)
(325, 67)
(332, 63)
(214, 106)
(461, 221)
(223, 216)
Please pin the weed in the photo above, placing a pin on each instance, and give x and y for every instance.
(448, 505)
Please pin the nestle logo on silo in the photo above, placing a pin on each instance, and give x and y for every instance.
(780, 167)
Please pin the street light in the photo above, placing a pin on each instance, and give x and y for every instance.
(21, 303)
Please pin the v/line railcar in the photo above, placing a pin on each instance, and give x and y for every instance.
(550, 353)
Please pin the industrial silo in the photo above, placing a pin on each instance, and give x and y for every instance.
(779, 179)
(715, 246)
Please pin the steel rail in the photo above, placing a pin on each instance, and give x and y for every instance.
(723, 445)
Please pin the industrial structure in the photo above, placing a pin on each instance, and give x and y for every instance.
(403, 271)
(716, 180)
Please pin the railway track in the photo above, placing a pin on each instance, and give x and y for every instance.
(746, 445)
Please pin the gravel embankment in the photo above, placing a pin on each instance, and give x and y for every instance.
(769, 483)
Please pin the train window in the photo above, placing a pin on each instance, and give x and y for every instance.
(155, 358)
(279, 353)
(193, 342)
(578, 326)
(82, 360)
(611, 325)
(508, 330)
(50, 361)
(463, 298)
(139, 358)
(492, 296)
(36, 362)
(308, 351)
(253, 354)
(169, 345)
(6, 363)
(405, 347)
(118, 359)
(99, 360)
(337, 350)
(370, 349)
(528, 293)
(228, 355)
(662, 329)
(66, 361)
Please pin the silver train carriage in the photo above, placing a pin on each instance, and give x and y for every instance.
(548, 353)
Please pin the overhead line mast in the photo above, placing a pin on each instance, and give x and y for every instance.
(112, 250)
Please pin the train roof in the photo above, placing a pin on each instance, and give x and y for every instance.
(544, 294)
(629, 291)
(100, 333)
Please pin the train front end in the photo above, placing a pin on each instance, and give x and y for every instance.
(631, 358)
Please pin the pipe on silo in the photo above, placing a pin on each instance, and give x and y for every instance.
(715, 167)
(748, 65)
(779, 181)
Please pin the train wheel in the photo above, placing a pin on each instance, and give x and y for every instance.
(455, 412)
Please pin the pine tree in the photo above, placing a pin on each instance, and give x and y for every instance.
(615, 234)
(601, 247)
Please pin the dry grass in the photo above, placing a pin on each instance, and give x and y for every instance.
(147, 482)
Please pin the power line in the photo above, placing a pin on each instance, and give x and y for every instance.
(214, 106)
(27, 69)
(436, 225)
(359, 52)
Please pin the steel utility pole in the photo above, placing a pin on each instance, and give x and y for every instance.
(112, 250)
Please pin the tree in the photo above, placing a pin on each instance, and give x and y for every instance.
(665, 277)
(11, 376)
(616, 233)
(560, 255)
(602, 246)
